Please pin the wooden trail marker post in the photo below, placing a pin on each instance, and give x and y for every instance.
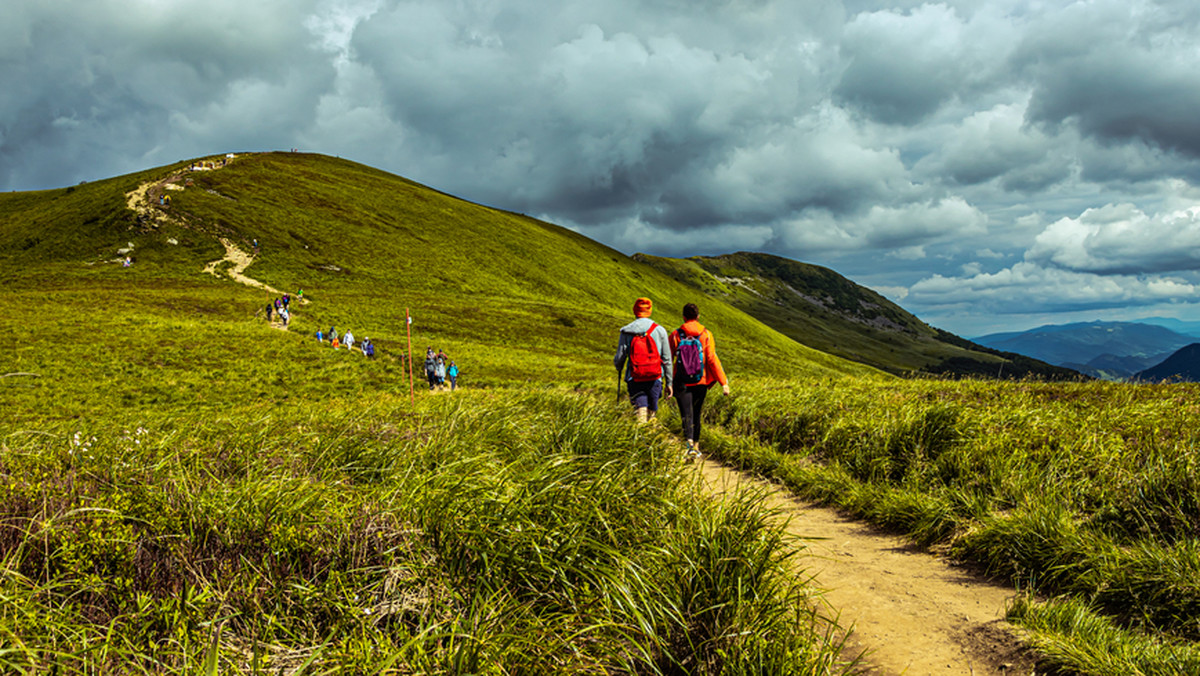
(408, 328)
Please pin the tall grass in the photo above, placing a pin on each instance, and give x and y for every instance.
(1087, 489)
(482, 533)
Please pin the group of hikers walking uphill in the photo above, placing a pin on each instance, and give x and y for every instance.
(682, 364)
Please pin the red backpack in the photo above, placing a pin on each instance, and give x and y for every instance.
(644, 357)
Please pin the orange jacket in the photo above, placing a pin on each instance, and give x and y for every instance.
(713, 373)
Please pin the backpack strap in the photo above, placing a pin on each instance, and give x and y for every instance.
(651, 329)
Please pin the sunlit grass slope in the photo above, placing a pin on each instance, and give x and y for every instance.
(185, 489)
(513, 299)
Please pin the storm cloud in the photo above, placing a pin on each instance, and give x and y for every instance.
(967, 158)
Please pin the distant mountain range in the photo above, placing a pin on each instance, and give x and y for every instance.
(1112, 350)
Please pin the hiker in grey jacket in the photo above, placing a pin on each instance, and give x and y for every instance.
(644, 394)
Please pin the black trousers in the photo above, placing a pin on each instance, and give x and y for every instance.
(691, 401)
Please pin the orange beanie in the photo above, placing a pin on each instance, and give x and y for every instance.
(642, 307)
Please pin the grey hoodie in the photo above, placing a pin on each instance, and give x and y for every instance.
(638, 327)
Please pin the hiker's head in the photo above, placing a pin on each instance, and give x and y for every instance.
(690, 312)
(642, 307)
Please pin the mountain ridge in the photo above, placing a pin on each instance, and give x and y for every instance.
(1111, 350)
(1183, 365)
(823, 309)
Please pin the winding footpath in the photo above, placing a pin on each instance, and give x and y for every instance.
(910, 612)
(140, 200)
(240, 260)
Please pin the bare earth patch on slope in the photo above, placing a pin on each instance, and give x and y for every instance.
(911, 613)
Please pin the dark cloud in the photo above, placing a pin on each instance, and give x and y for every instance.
(900, 68)
(900, 140)
(1120, 72)
(1029, 288)
(998, 144)
(98, 88)
(902, 65)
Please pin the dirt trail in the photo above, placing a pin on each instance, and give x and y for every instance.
(140, 200)
(913, 613)
(241, 260)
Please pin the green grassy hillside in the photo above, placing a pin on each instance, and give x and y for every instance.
(822, 309)
(185, 488)
(513, 299)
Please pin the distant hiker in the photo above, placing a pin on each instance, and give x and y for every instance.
(278, 305)
(300, 293)
(332, 333)
(431, 367)
(270, 307)
(452, 374)
(442, 357)
(286, 299)
(128, 262)
(333, 342)
(697, 368)
(320, 336)
(285, 316)
(368, 348)
(349, 340)
(643, 352)
(441, 374)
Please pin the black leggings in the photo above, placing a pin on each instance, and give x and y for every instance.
(690, 400)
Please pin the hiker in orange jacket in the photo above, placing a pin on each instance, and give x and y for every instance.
(691, 380)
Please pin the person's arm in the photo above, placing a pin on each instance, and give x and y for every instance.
(622, 350)
(664, 353)
(710, 358)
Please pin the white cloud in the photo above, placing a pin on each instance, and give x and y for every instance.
(638, 236)
(902, 229)
(1029, 288)
(1122, 238)
(908, 253)
(895, 294)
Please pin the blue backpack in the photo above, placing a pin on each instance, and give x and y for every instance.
(689, 359)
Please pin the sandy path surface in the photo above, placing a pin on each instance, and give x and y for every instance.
(241, 260)
(140, 200)
(913, 613)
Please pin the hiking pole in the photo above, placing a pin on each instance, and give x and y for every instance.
(618, 386)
